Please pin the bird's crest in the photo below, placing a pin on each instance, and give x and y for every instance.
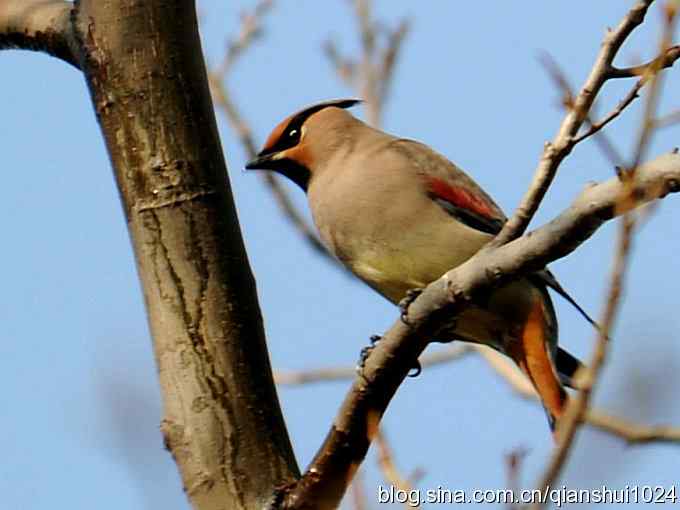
(280, 138)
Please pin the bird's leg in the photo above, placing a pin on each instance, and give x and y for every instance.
(415, 370)
(406, 301)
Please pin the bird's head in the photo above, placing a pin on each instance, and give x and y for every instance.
(301, 141)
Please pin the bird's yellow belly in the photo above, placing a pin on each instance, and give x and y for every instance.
(392, 276)
(490, 323)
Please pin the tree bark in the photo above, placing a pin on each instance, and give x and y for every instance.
(223, 424)
(39, 25)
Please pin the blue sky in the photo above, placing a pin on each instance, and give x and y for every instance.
(79, 390)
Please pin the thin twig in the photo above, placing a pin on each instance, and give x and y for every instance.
(359, 495)
(250, 30)
(514, 462)
(631, 432)
(344, 67)
(389, 467)
(388, 61)
(372, 77)
(595, 127)
(602, 140)
(667, 120)
(368, 87)
(577, 409)
(665, 60)
(563, 142)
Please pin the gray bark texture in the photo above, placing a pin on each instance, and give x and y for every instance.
(223, 424)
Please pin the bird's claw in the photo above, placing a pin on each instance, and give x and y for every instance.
(404, 304)
(366, 352)
(415, 370)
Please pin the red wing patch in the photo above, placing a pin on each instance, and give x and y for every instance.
(460, 198)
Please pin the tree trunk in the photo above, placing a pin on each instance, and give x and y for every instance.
(223, 424)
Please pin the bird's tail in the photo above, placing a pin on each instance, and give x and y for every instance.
(533, 353)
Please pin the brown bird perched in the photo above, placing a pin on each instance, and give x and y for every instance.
(399, 215)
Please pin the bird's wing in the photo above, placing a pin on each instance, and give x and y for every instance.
(464, 204)
(453, 190)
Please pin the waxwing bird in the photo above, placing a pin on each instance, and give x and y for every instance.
(399, 215)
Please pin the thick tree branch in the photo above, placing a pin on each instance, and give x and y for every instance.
(39, 25)
(356, 423)
(556, 150)
(222, 421)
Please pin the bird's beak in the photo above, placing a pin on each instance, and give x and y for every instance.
(261, 162)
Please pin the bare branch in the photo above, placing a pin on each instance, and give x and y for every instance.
(357, 421)
(373, 76)
(39, 25)
(514, 462)
(296, 378)
(663, 61)
(389, 59)
(631, 432)
(345, 67)
(508, 371)
(602, 140)
(250, 30)
(667, 120)
(623, 104)
(389, 468)
(555, 151)
(576, 410)
(358, 493)
(369, 89)
(628, 200)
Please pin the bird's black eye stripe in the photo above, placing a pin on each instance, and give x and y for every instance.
(293, 132)
(291, 136)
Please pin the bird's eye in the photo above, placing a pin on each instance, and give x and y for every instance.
(292, 133)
